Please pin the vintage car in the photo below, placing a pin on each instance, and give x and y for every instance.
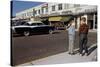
(28, 28)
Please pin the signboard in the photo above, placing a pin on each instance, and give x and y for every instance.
(67, 12)
(43, 15)
(90, 10)
(85, 10)
(54, 14)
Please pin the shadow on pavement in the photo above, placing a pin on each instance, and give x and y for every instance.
(91, 49)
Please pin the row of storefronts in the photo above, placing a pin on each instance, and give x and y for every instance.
(89, 13)
(60, 18)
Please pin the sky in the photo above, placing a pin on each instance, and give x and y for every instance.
(18, 6)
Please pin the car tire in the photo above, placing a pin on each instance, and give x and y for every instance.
(26, 33)
(50, 31)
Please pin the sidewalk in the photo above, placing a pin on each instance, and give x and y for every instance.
(64, 58)
(90, 30)
(94, 31)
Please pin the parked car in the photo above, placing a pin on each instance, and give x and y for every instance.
(32, 27)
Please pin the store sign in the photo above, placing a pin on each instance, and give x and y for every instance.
(90, 10)
(43, 15)
(66, 12)
(84, 10)
(78, 10)
(54, 14)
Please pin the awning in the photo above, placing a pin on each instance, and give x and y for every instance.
(55, 18)
(62, 19)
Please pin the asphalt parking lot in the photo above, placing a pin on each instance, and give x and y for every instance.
(26, 49)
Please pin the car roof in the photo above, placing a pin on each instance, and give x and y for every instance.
(30, 22)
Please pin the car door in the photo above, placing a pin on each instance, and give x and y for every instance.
(42, 28)
(34, 27)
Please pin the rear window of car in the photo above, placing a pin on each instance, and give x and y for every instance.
(33, 24)
(26, 24)
(40, 24)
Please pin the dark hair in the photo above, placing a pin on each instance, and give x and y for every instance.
(84, 19)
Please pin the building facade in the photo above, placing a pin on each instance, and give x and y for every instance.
(58, 14)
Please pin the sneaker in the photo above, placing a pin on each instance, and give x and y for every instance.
(69, 53)
(86, 54)
(81, 54)
(72, 54)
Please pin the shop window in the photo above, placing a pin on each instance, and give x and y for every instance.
(59, 6)
(53, 8)
(42, 10)
(76, 5)
(46, 9)
(33, 12)
(66, 6)
(38, 11)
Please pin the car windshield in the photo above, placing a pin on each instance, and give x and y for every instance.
(17, 23)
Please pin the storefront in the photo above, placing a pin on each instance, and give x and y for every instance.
(91, 17)
(92, 21)
(59, 21)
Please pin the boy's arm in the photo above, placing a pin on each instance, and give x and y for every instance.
(79, 30)
(68, 26)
